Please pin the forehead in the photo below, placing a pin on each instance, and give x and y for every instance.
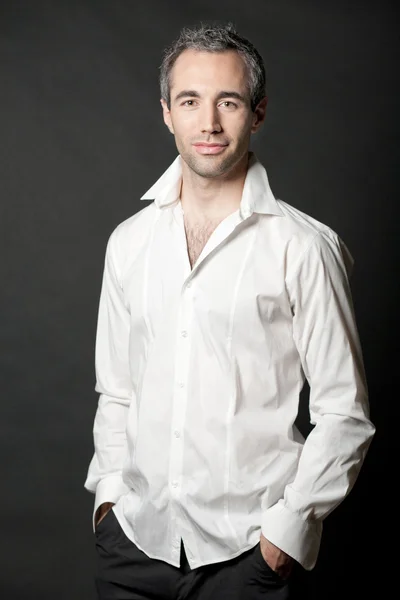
(213, 70)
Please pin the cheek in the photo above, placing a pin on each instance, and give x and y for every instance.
(239, 129)
(236, 121)
(187, 125)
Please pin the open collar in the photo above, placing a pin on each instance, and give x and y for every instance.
(257, 195)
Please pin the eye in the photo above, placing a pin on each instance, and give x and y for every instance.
(188, 103)
(228, 104)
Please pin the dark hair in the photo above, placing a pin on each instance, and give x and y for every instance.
(215, 38)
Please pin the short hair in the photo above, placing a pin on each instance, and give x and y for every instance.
(215, 38)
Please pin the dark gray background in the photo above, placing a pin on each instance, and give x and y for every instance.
(81, 139)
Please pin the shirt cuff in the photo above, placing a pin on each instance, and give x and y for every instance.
(109, 489)
(288, 531)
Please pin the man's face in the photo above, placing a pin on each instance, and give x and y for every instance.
(210, 113)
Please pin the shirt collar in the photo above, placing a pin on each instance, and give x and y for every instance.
(257, 194)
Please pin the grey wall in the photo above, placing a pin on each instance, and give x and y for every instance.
(81, 138)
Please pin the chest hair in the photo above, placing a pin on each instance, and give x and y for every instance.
(197, 235)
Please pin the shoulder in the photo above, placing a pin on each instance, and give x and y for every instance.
(301, 223)
(127, 239)
(311, 241)
(136, 226)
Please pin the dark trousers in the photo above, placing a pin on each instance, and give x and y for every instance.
(126, 573)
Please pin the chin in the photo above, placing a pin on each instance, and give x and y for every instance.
(209, 165)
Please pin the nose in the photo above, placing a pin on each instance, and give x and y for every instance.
(210, 119)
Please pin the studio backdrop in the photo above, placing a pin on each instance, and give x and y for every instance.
(82, 138)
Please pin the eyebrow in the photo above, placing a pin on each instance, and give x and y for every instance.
(220, 95)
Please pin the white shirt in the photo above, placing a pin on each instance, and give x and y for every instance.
(199, 373)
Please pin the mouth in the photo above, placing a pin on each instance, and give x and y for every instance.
(204, 148)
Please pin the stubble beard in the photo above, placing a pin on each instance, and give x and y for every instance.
(210, 166)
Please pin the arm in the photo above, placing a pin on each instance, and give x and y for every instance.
(113, 383)
(325, 334)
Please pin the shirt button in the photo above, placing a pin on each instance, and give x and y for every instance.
(184, 333)
(177, 433)
(181, 384)
(175, 484)
(189, 284)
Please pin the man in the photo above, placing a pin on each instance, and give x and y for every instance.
(217, 302)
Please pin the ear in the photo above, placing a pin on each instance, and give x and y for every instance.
(259, 115)
(167, 115)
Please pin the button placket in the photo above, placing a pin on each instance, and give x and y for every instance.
(180, 393)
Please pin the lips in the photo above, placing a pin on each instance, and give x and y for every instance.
(207, 148)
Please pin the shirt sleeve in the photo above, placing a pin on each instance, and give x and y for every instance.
(325, 333)
(104, 477)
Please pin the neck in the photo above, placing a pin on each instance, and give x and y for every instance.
(212, 198)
